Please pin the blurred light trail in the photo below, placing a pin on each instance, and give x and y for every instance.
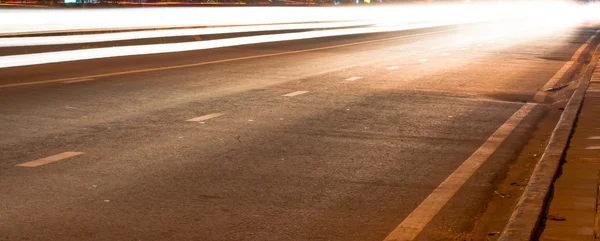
(554, 16)
(83, 54)
(93, 38)
(73, 55)
(50, 20)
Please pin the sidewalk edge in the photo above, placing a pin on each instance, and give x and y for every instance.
(524, 221)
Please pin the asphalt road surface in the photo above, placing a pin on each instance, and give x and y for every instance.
(335, 138)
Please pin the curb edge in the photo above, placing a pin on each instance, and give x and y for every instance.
(525, 219)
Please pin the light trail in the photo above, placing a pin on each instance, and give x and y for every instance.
(49, 20)
(93, 38)
(384, 19)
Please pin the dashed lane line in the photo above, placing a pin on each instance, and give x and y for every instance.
(353, 78)
(50, 159)
(295, 93)
(206, 117)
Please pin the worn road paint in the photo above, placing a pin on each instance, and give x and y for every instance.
(206, 117)
(295, 93)
(50, 159)
(353, 78)
(77, 81)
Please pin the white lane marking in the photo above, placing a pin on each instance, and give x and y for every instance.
(392, 67)
(593, 148)
(206, 117)
(444, 54)
(353, 78)
(463, 49)
(561, 72)
(422, 215)
(77, 81)
(296, 93)
(422, 60)
(50, 159)
(539, 96)
(592, 90)
(478, 45)
(594, 138)
(491, 42)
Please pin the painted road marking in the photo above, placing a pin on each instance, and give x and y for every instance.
(422, 215)
(444, 54)
(50, 159)
(296, 93)
(77, 81)
(478, 45)
(225, 60)
(593, 148)
(422, 60)
(594, 138)
(540, 95)
(592, 90)
(463, 49)
(206, 117)
(392, 67)
(561, 72)
(353, 78)
(491, 42)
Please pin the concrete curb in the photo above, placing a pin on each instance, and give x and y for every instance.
(525, 219)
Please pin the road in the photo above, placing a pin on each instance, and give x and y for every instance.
(338, 138)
